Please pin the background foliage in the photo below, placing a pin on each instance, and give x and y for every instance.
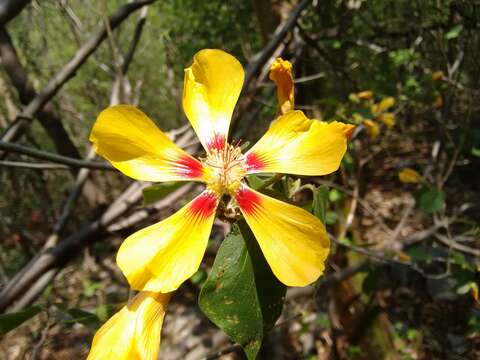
(402, 278)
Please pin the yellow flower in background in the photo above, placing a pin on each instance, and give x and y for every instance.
(383, 105)
(133, 332)
(372, 128)
(438, 75)
(365, 95)
(388, 119)
(162, 256)
(409, 176)
(281, 74)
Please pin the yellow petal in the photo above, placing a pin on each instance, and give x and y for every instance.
(372, 128)
(281, 73)
(293, 241)
(295, 144)
(162, 256)
(388, 119)
(408, 175)
(365, 95)
(383, 105)
(134, 332)
(211, 89)
(127, 138)
(438, 102)
(438, 76)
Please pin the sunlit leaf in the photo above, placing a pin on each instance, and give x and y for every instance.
(454, 32)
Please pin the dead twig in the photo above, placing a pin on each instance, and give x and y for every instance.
(44, 155)
(69, 69)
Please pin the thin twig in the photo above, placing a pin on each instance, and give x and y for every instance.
(44, 155)
(33, 166)
(69, 70)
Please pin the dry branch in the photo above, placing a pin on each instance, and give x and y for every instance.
(69, 69)
(9, 9)
(44, 155)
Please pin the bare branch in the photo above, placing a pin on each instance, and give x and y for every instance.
(44, 155)
(69, 69)
(34, 166)
(9, 9)
(280, 34)
(26, 93)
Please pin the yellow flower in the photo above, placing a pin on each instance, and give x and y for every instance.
(438, 75)
(383, 105)
(162, 256)
(281, 74)
(408, 175)
(133, 332)
(387, 118)
(372, 128)
(365, 95)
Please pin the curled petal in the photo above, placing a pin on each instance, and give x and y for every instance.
(388, 119)
(409, 176)
(127, 138)
(281, 73)
(293, 241)
(383, 105)
(133, 332)
(372, 128)
(211, 89)
(295, 144)
(365, 95)
(162, 256)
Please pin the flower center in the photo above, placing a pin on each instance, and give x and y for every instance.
(225, 168)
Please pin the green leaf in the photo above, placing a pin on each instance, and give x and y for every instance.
(431, 200)
(476, 151)
(199, 277)
(335, 195)
(465, 288)
(154, 193)
(11, 320)
(331, 217)
(83, 317)
(454, 32)
(255, 182)
(320, 203)
(241, 295)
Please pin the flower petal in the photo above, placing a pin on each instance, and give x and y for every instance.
(127, 138)
(409, 176)
(211, 89)
(293, 241)
(372, 128)
(281, 74)
(295, 144)
(133, 332)
(162, 256)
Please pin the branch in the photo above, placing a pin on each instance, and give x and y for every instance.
(278, 36)
(26, 93)
(10, 9)
(54, 257)
(69, 69)
(44, 155)
(34, 166)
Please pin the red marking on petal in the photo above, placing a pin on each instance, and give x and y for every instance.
(248, 200)
(204, 205)
(217, 143)
(254, 162)
(189, 167)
